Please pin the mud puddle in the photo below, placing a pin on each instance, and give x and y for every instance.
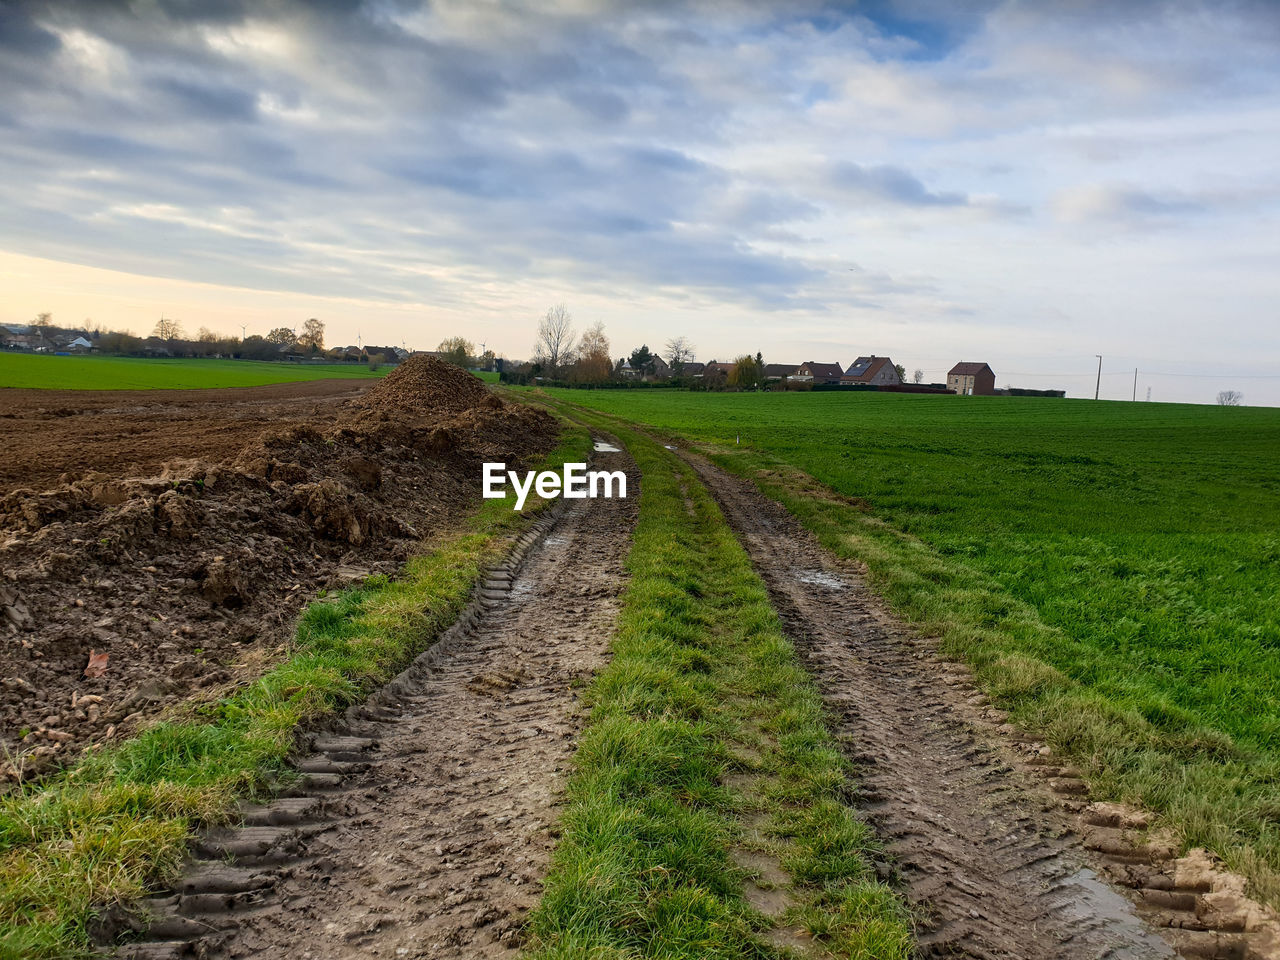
(448, 830)
(985, 854)
(820, 578)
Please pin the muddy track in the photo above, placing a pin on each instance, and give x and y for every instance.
(424, 827)
(985, 853)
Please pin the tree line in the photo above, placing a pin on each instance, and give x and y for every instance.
(563, 356)
(169, 338)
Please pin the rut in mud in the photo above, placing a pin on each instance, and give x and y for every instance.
(445, 835)
(984, 854)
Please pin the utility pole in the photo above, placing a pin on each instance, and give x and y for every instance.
(1097, 387)
(1135, 384)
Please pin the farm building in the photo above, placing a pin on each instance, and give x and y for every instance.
(78, 345)
(971, 379)
(872, 370)
(819, 372)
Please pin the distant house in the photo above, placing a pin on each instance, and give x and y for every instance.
(971, 379)
(78, 345)
(692, 369)
(872, 370)
(31, 339)
(780, 371)
(819, 373)
(718, 370)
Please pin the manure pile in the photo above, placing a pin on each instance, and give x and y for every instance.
(192, 578)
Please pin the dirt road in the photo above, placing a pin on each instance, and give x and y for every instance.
(984, 853)
(447, 832)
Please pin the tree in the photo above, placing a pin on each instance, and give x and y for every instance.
(554, 346)
(918, 376)
(759, 370)
(641, 360)
(376, 360)
(167, 329)
(745, 373)
(456, 350)
(205, 335)
(594, 363)
(42, 321)
(312, 335)
(679, 352)
(902, 372)
(1230, 398)
(281, 335)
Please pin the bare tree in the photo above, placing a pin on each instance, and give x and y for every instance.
(594, 362)
(42, 321)
(1230, 398)
(918, 376)
(554, 346)
(167, 329)
(679, 352)
(312, 335)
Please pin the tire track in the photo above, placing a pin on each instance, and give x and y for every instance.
(987, 858)
(447, 781)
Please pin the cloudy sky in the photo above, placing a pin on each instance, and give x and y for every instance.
(1026, 183)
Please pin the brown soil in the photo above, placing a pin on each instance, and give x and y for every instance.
(985, 852)
(191, 578)
(446, 822)
(58, 436)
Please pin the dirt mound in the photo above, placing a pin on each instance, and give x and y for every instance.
(191, 578)
(426, 385)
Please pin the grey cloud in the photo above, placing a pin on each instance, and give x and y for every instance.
(892, 184)
(1123, 205)
(20, 35)
(217, 101)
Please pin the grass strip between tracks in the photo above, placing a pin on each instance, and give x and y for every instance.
(704, 689)
(120, 820)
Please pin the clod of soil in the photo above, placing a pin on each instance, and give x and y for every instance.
(193, 574)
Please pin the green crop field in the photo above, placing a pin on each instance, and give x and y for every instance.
(1110, 569)
(134, 373)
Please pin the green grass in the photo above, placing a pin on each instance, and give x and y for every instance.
(118, 822)
(486, 376)
(135, 373)
(702, 685)
(1109, 569)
